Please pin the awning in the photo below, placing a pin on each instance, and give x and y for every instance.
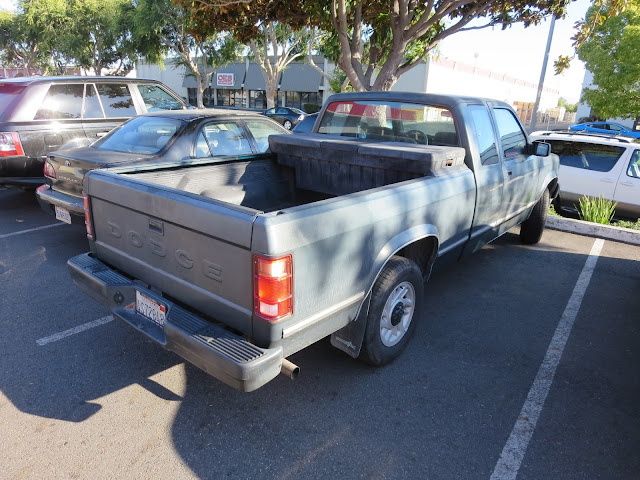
(229, 77)
(254, 80)
(300, 78)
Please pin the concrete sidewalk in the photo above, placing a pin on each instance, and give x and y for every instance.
(618, 234)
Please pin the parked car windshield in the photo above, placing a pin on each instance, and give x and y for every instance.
(146, 135)
(390, 121)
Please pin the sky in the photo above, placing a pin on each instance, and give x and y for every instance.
(517, 51)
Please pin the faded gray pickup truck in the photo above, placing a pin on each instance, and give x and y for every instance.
(237, 265)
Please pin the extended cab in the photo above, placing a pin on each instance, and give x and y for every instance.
(237, 265)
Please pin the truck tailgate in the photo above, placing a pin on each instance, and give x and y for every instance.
(190, 248)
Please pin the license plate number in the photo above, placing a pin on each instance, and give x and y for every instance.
(150, 309)
(63, 214)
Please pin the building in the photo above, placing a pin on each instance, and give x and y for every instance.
(242, 85)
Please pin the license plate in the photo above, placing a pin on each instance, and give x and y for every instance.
(63, 214)
(150, 309)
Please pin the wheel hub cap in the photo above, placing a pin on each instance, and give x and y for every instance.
(397, 314)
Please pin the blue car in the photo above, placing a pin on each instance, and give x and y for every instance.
(606, 128)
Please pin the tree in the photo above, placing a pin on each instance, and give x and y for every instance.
(170, 30)
(21, 44)
(276, 47)
(98, 35)
(379, 40)
(611, 54)
(569, 107)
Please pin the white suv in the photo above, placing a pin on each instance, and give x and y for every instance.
(596, 165)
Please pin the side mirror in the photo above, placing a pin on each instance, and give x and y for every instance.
(541, 149)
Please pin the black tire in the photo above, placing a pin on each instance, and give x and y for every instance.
(398, 276)
(531, 229)
(287, 124)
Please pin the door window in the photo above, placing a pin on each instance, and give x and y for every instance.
(61, 101)
(92, 108)
(261, 132)
(588, 156)
(512, 138)
(116, 100)
(156, 98)
(484, 134)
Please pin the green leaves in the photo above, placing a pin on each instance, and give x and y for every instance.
(611, 54)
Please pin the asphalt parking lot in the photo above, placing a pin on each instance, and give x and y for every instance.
(525, 364)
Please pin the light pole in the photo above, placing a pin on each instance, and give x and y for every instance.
(542, 75)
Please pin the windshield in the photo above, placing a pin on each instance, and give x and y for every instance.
(146, 135)
(390, 121)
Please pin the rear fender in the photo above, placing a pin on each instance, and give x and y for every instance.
(410, 242)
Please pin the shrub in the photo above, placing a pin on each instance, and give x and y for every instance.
(596, 210)
(628, 224)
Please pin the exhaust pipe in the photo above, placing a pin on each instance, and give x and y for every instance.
(289, 369)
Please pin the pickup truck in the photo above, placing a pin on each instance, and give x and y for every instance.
(236, 265)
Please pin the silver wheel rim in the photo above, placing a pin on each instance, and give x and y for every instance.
(397, 314)
(287, 125)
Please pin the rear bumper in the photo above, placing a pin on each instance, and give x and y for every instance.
(49, 198)
(219, 352)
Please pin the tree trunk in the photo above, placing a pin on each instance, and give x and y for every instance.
(271, 87)
(200, 94)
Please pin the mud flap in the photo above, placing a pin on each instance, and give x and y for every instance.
(350, 337)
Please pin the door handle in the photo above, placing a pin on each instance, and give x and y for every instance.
(606, 180)
(626, 184)
(101, 134)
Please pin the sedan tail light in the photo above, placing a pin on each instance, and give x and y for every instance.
(300, 118)
(272, 287)
(49, 171)
(10, 144)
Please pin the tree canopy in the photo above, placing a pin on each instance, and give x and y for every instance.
(376, 41)
(611, 55)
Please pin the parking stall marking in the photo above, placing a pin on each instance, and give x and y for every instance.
(516, 446)
(7, 235)
(72, 331)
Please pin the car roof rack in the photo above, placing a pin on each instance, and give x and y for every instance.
(583, 133)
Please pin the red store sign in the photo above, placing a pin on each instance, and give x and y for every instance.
(225, 79)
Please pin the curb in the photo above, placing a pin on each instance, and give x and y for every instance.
(618, 234)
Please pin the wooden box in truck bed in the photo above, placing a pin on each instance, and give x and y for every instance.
(343, 165)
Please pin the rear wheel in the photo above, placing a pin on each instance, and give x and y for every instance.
(531, 230)
(396, 303)
(287, 124)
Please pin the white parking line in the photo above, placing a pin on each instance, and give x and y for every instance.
(72, 331)
(6, 235)
(516, 446)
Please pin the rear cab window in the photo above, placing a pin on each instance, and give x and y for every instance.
(587, 156)
(390, 121)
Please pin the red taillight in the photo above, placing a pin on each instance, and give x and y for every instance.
(300, 118)
(272, 287)
(10, 144)
(49, 171)
(87, 218)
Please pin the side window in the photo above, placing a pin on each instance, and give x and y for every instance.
(92, 108)
(588, 156)
(202, 147)
(512, 138)
(614, 128)
(282, 111)
(156, 98)
(116, 100)
(634, 165)
(484, 135)
(261, 132)
(271, 111)
(61, 101)
(226, 138)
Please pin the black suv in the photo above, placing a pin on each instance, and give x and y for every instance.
(41, 114)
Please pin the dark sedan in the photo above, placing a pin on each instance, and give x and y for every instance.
(177, 137)
(288, 117)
